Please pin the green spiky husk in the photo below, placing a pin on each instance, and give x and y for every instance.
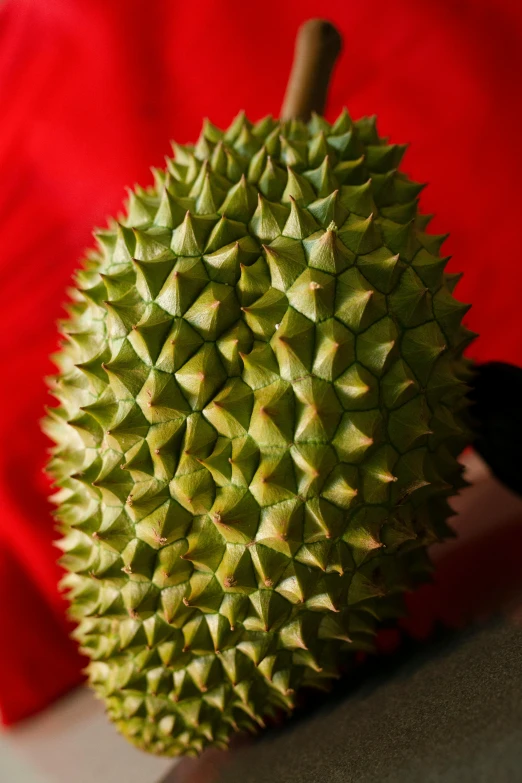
(262, 397)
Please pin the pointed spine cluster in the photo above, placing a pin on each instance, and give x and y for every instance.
(261, 400)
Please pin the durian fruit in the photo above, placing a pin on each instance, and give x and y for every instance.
(262, 396)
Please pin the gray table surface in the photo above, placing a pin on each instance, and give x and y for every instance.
(450, 711)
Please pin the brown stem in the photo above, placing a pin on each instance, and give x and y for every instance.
(317, 47)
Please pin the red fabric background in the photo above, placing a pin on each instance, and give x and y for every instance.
(91, 92)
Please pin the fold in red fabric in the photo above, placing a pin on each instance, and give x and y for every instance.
(91, 92)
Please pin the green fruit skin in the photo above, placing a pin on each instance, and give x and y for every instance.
(262, 396)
